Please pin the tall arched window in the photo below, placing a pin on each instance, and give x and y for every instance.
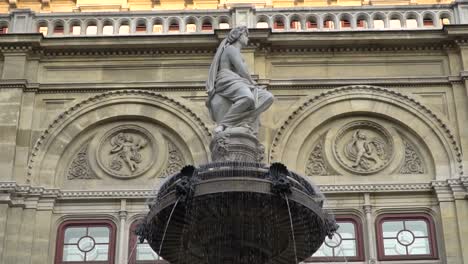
(90, 241)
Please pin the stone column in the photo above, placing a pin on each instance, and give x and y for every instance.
(13, 225)
(123, 231)
(461, 205)
(43, 247)
(26, 233)
(370, 228)
(3, 219)
(450, 228)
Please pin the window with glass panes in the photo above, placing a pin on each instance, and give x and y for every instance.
(141, 253)
(406, 237)
(86, 242)
(346, 243)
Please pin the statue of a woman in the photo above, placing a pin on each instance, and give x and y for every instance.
(235, 101)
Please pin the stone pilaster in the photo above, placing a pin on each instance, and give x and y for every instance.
(43, 246)
(449, 219)
(13, 227)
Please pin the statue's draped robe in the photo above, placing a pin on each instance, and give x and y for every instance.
(225, 87)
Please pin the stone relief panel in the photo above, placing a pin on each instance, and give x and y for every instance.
(79, 167)
(363, 147)
(127, 151)
(316, 163)
(175, 161)
(413, 162)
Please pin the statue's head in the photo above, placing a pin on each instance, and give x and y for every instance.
(240, 34)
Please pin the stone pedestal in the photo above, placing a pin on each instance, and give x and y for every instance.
(236, 146)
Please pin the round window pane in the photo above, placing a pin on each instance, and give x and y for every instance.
(405, 237)
(86, 244)
(334, 242)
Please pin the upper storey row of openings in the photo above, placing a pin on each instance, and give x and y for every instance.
(40, 6)
(409, 17)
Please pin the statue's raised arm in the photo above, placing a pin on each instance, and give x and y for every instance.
(235, 101)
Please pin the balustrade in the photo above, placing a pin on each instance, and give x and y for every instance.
(205, 21)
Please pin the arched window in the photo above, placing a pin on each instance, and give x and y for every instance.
(86, 242)
(411, 21)
(42, 28)
(75, 28)
(279, 23)
(174, 26)
(405, 237)
(108, 28)
(295, 24)
(311, 23)
(223, 23)
(141, 253)
(361, 22)
(379, 22)
(207, 26)
(3, 29)
(428, 21)
(191, 25)
(345, 245)
(141, 27)
(345, 23)
(395, 22)
(158, 26)
(444, 19)
(58, 29)
(328, 23)
(124, 28)
(91, 29)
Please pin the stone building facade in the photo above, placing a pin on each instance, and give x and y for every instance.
(371, 104)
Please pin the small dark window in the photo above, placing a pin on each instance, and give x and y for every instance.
(3, 29)
(58, 30)
(428, 22)
(278, 25)
(206, 26)
(345, 24)
(141, 28)
(173, 27)
(311, 24)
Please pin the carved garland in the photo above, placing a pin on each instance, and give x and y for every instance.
(316, 164)
(413, 163)
(79, 169)
(450, 136)
(175, 160)
(62, 117)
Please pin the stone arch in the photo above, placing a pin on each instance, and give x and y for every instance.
(374, 100)
(53, 141)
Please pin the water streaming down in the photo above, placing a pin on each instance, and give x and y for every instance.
(237, 213)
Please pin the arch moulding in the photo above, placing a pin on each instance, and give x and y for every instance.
(387, 99)
(198, 130)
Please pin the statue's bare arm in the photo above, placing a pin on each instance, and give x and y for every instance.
(235, 57)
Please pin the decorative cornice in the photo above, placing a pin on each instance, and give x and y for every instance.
(93, 100)
(125, 52)
(358, 49)
(370, 89)
(360, 188)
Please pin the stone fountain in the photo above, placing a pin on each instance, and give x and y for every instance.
(236, 210)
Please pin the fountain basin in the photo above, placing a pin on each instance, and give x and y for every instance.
(236, 213)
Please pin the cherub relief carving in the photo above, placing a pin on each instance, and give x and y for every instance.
(126, 148)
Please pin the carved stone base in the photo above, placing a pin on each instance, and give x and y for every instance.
(236, 146)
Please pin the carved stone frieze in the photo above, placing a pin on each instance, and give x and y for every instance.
(316, 164)
(126, 151)
(363, 147)
(413, 163)
(79, 168)
(175, 160)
